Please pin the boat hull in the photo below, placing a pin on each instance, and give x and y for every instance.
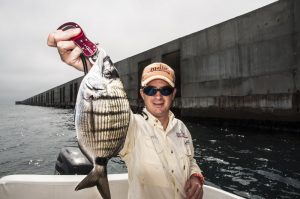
(62, 187)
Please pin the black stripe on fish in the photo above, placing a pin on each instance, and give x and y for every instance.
(108, 150)
(110, 129)
(107, 113)
(105, 97)
(109, 97)
(112, 139)
(92, 119)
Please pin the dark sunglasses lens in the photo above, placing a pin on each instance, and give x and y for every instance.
(166, 91)
(149, 90)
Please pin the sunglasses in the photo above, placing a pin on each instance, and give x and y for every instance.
(151, 90)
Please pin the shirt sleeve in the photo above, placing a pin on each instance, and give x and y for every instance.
(129, 141)
(194, 168)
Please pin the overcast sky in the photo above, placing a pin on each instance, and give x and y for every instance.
(123, 27)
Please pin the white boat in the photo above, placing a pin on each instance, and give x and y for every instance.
(62, 187)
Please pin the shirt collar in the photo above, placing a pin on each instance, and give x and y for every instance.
(154, 121)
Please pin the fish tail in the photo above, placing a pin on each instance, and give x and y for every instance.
(97, 177)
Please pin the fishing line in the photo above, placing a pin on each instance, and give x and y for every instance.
(85, 67)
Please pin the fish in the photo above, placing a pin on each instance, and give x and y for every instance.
(102, 115)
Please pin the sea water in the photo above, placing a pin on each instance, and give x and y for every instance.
(252, 164)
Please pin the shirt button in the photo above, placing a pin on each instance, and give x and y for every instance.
(172, 151)
(177, 189)
(172, 171)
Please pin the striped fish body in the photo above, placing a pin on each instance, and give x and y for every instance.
(101, 120)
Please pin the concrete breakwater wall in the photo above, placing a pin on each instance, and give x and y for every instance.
(246, 68)
(63, 96)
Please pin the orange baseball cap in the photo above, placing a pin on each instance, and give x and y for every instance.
(158, 71)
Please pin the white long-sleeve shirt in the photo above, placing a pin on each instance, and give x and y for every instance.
(146, 145)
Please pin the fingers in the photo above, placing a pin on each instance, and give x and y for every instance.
(192, 192)
(187, 185)
(198, 194)
(68, 52)
(193, 189)
(75, 60)
(64, 46)
(201, 192)
(76, 52)
(60, 35)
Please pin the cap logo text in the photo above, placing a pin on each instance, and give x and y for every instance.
(160, 68)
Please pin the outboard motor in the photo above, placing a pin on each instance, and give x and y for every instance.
(71, 161)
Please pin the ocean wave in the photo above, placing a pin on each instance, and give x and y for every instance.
(276, 177)
(11, 147)
(217, 160)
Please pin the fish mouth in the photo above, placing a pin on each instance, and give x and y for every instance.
(92, 88)
(94, 84)
(94, 92)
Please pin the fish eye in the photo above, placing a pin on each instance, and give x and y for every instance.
(107, 73)
(110, 73)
